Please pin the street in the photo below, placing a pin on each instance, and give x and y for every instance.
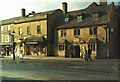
(58, 69)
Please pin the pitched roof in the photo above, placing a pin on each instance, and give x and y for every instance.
(12, 20)
(102, 10)
(9, 21)
(36, 16)
(47, 12)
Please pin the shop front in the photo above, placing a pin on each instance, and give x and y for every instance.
(6, 48)
(35, 45)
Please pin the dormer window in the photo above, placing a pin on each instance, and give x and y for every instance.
(66, 19)
(95, 16)
(79, 18)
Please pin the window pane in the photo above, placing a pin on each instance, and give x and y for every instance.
(38, 29)
(8, 27)
(1, 28)
(63, 33)
(95, 30)
(78, 31)
(79, 18)
(63, 47)
(28, 30)
(95, 16)
(94, 47)
(74, 31)
(66, 19)
(91, 31)
(19, 31)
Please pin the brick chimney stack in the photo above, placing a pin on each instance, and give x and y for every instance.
(64, 7)
(103, 2)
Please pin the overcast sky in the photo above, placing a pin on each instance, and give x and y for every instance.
(12, 8)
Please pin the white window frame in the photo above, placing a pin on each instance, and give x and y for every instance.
(28, 30)
(66, 19)
(39, 26)
(95, 16)
(63, 33)
(79, 18)
(2, 38)
(7, 38)
(8, 28)
(76, 31)
(2, 28)
(20, 31)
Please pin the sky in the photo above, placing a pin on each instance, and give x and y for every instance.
(12, 8)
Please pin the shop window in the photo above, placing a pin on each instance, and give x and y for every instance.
(76, 31)
(38, 29)
(35, 48)
(28, 30)
(93, 31)
(61, 47)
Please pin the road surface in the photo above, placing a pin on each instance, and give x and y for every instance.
(41, 71)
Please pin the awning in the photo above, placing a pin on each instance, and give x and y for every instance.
(34, 40)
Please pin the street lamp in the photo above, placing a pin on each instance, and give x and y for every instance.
(13, 46)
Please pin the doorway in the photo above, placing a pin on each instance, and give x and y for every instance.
(27, 50)
(77, 51)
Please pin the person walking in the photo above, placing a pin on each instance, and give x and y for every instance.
(89, 54)
(85, 54)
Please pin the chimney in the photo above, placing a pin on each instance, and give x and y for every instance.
(103, 2)
(23, 12)
(64, 7)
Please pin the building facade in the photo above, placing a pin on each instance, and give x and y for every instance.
(7, 35)
(33, 33)
(95, 27)
(62, 33)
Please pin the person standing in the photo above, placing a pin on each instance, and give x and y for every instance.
(7, 50)
(85, 54)
(89, 54)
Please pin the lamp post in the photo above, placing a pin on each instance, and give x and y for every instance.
(13, 46)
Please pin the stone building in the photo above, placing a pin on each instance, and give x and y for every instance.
(33, 33)
(62, 33)
(6, 33)
(95, 26)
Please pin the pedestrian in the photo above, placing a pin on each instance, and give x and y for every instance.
(89, 54)
(85, 54)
